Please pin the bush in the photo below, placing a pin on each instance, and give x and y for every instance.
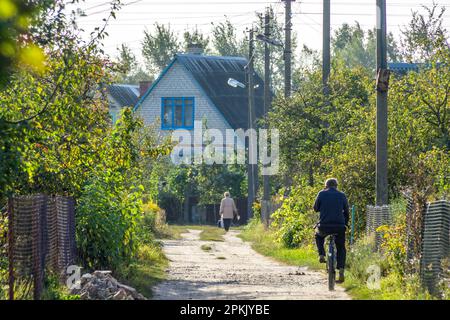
(107, 218)
(294, 221)
(152, 223)
(393, 246)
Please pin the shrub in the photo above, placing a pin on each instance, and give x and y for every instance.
(152, 223)
(107, 218)
(393, 246)
(295, 219)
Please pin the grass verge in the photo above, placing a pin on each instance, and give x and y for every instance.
(206, 247)
(360, 259)
(212, 234)
(208, 233)
(146, 270)
(263, 242)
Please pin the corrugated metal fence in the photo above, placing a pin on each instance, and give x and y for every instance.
(435, 243)
(435, 237)
(41, 236)
(376, 217)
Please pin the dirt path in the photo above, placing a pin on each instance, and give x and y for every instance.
(233, 270)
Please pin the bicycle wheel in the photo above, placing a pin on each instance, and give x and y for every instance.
(331, 265)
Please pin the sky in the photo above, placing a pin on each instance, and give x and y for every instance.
(138, 15)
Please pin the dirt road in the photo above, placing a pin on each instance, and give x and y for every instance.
(233, 270)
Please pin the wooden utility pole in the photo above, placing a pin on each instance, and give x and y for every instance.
(326, 48)
(267, 103)
(252, 167)
(382, 114)
(287, 48)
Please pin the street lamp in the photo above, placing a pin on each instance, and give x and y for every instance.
(274, 42)
(251, 171)
(234, 83)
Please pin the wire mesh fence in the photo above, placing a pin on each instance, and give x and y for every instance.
(435, 243)
(433, 246)
(376, 217)
(41, 236)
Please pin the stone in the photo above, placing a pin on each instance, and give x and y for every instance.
(101, 285)
(120, 295)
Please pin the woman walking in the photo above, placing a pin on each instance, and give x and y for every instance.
(227, 210)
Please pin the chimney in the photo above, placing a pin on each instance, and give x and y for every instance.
(194, 48)
(143, 87)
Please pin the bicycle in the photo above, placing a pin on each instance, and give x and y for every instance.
(331, 261)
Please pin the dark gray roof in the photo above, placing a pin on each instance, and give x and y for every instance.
(212, 74)
(126, 95)
(402, 67)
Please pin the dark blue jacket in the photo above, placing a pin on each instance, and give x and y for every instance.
(333, 207)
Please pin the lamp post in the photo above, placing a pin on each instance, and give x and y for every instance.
(251, 170)
(268, 41)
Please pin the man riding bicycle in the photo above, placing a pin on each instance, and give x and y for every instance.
(334, 216)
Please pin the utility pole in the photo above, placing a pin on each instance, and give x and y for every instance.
(326, 48)
(252, 167)
(287, 48)
(382, 115)
(267, 102)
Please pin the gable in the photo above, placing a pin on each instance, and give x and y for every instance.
(175, 81)
(210, 74)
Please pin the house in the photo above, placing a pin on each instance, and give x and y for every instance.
(402, 68)
(194, 87)
(124, 95)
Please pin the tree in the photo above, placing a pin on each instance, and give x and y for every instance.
(195, 38)
(358, 48)
(129, 70)
(159, 47)
(225, 41)
(15, 18)
(424, 34)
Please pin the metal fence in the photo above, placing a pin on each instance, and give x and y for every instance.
(41, 236)
(376, 217)
(434, 247)
(435, 243)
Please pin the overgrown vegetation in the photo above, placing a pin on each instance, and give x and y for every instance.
(56, 137)
(334, 136)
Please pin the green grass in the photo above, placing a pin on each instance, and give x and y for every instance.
(146, 271)
(208, 232)
(359, 258)
(212, 234)
(206, 247)
(54, 289)
(263, 242)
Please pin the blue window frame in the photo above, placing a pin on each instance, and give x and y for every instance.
(177, 113)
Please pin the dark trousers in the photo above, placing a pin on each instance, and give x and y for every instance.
(227, 224)
(341, 252)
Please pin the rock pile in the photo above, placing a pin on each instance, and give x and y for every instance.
(100, 285)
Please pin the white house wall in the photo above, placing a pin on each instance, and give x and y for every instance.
(177, 83)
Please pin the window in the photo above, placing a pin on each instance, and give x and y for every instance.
(177, 113)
